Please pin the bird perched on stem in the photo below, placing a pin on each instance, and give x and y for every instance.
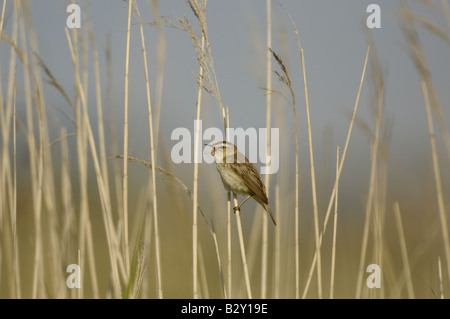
(239, 175)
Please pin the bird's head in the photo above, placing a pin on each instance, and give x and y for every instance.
(225, 152)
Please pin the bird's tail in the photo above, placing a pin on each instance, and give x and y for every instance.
(266, 207)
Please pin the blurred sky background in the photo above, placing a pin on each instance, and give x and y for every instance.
(332, 35)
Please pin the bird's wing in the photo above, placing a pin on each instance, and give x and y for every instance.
(249, 174)
(237, 157)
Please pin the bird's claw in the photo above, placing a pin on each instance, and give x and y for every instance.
(235, 209)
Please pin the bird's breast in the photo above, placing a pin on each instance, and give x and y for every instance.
(231, 181)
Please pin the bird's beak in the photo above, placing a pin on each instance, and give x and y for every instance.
(212, 151)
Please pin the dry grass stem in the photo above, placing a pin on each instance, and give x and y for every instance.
(333, 251)
(152, 180)
(401, 236)
(200, 13)
(441, 286)
(286, 80)
(265, 230)
(333, 194)
(125, 145)
(242, 246)
(437, 178)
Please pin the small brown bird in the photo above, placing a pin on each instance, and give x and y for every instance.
(239, 175)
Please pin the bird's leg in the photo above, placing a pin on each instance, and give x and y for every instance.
(239, 207)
